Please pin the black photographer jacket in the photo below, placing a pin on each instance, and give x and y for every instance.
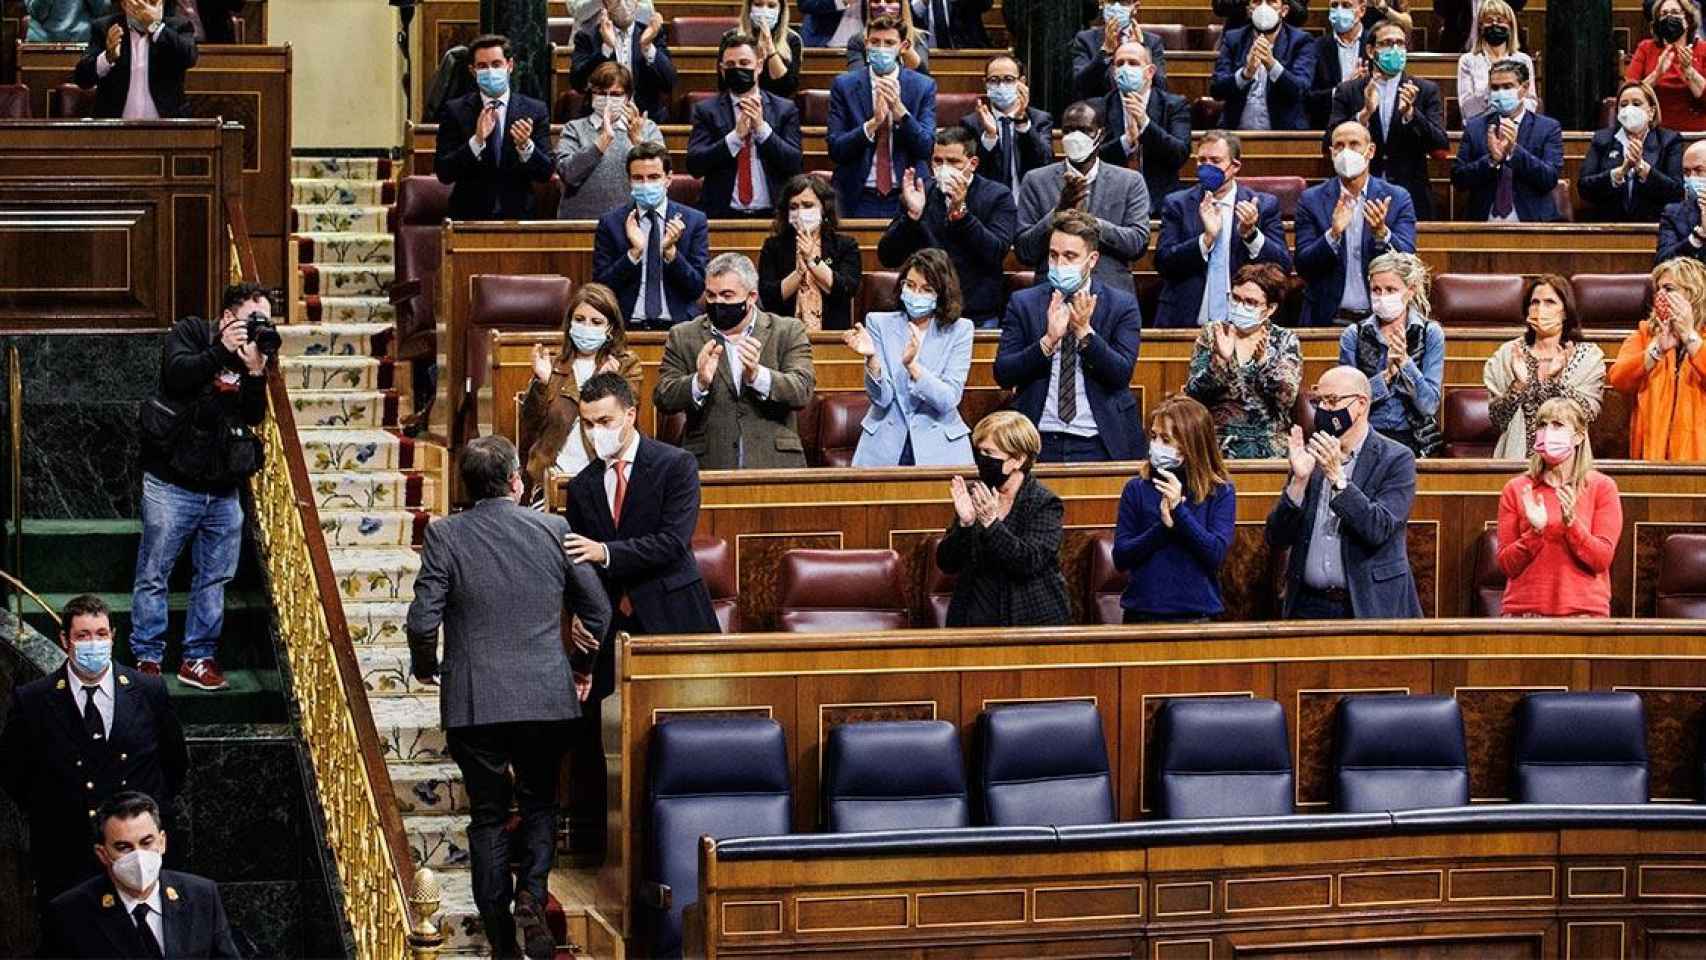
(195, 367)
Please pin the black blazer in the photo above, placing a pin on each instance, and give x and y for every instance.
(1090, 65)
(481, 190)
(171, 56)
(1318, 101)
(1035, 148)
(90, 920)
(965, 26)
(776, 260)
(1401, 153)
(651, 551)
(708, 155)
(1164, 145)
(47, 762)
(1009, 572)
(654, 82)
(1662, 150)
(974, 243)
(1675, 226)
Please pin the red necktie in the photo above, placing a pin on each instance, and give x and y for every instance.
(623, 605)
(885, 162)
(743, 173)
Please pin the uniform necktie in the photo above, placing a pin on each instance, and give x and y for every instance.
(885, 161)
(150, 946)
(1068, 396)
(624, 604)
(654, 268)
(92, 716)
(743, 172)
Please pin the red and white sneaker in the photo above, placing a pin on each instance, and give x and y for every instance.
(203, 674)
(148, 668)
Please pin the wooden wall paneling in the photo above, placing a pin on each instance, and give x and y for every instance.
(1311, 693)
(1674, 695)
(1488, 691)
(994, 689)
(1144, 689)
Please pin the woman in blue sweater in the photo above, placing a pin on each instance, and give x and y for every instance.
(1176, 519)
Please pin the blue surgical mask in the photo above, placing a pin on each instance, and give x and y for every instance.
(1504, 101)
(1696, 185)
(1242, 315)
(588, 338)
(882, 59)
(647, 195)
(1130, 79)
(494, 81)
(1164, 456)
(1002, 95)
(1392, 60)
(1066, 277)
(917, 304)
(92, 656)
(1117, 14)
(1341, 18)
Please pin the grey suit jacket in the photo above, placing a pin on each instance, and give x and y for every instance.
(593, 182)
(736, 427)
(495, 577)
(1118, 200)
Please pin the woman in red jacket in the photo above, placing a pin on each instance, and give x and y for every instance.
(1559, 523)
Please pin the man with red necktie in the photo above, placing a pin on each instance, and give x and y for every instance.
(745, 143)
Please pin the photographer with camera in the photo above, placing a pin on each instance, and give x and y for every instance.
(198, 450)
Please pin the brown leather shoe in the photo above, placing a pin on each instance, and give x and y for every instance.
(148, 668)
(203, 674)
(536, 939)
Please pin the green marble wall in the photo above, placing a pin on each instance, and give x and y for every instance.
(523, 22)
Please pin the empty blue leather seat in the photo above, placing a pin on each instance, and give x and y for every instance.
(894, 775)
(1581, 748)
(1221, 757)
(722, 777)
(1043, 764)
(1399, 753)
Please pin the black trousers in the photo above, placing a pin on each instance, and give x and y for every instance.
(486, 754)
(1316, 605)
(588, 810)
(1071, 448)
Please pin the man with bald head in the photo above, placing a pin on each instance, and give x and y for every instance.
(1343, 224)
(1344, 512)
(1145, 124)
(1681, 233)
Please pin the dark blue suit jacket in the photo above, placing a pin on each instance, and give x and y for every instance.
(1373, 512)
(1323, 268)
(708, 155)
(1294, 50)
(852, 152)
(1537, 158)
(1106, 360)
(1165, 144)
(1090, 66)
(654, 82)
(976, 243)
(1661, 149)
(1678, 222)
(1179, 257)
(683, 278)
(481, 190)
(1034, 148)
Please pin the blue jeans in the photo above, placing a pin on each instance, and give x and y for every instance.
(212, 526)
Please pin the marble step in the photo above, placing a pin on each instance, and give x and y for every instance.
(355, 409)
(341, 191)
(375, 573)
(336, 280)
(429, 788)
(438, 841)
(349, 248)
(337, 373)
(409, 730)
(385, 671)
(353, 309)
(373, 528)
(372, 490)
(335, 339)
(329, 450)
(347, 168)
(339, 218)
(376, 622)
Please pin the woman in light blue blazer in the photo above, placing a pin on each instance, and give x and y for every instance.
(916, 360)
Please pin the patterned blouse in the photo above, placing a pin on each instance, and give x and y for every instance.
(1251, 402)
(1512, 406)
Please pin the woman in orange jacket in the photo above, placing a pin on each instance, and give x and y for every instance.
(1662, 366)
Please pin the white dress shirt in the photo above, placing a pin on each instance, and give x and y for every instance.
(1084, 422)
(1350, 243)
(1388, 87)
(623, 52)
(645, 258)
(478, 146)
(156, 923)
(1256, 115)
(626, 456)
(760, 187)
(1350, 53)
(104, 701)
(760, 380)
(895, 172)
(1228, 229)
(139, 100)
(572, 459)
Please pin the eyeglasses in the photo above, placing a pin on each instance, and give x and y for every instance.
(1333, 401)
(1391, 45)
(1242, 302)
(1009, 78)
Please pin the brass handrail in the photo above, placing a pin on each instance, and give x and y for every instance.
(14, 581)
(15, 436)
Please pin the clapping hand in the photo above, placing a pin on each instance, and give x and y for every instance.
(1300, 455)
(521, 133)
(710, 356)
(1073, 191)
(145, 13)
(638, 237)
(1021, 110)
(1397, 347)
(1501, 142)
(1374, 211)
(649, 35)
(964, 509)
(912, 195)
(1059, 317)
(986, 118)
(988, 505)
(671, 235)
(1172, 493)
(859, 341)
(1535, 509)
(914, 340)
(115, 42)
(1370, 102)
(1329, 456)
(636, 121)
(1083, 308)
(1632, 158)
(1249, 216)
(1136, 113)
(541, 363)
(1343, 210)
(486, 122)
(1567, 503)
(1225, 341)
(610, 365)
(954, 187)
(748, 351)
(606, 130)
(606, 29)
(1407, 101)
(1209, 211)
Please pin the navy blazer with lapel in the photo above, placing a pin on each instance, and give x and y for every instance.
(708, 154)
(1323, 268)
(1373, 512)
(651, 550)
(1163, 146)
(170, 56)
(1106, 360)
(89, 920)
(683, 278)
(1178, 255)
(1537, 158)
(975, 242)
(1090, 66)
(1675, 226)
(1400, 153)
(1035, 148)
(1293, 50)
(1319, 100)
(1661, 149)
(480, 189)
(654, 82)
(853, 153)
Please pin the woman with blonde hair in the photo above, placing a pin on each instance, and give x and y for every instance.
(778, 45)
(1549, 360)
(1495, 39)
(1401, 351)
(1004, 542)
(1559, 523)
(1661, 365)
(1634, 167)
(1176, 519)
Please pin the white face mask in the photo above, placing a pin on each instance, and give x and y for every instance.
(1633, 117)
(616, 105)
(1387, 306)
(946, 176)
(1349, 164)
(806, 219)
(1078, 146)
(1264, 18)
(138, 869)
(606, 441)
(764, 18)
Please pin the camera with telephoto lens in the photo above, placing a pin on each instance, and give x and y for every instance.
(263, 333)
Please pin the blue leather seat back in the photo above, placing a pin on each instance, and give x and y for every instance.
(1043, 764)
(1218, 757)
(722, 777)
(1581, 748)
(894, 775)
(1400, 753)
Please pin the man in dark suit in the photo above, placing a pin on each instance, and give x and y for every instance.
(1680, 230)
(136, 61)
(496, 579)
(1404, 114)
(1145, 124)
(631, 35)
(952, 24)
(1341, 54)
(1208, 235)
(1013, 137)
(1093, 50)
(650, 251)
(1510, 157)
(1236, 13)
(970, 218)
(881, 122)
(1264, 71)
(494, 143)
(76, 736)
(1344, 512)
(134, 908)
(1067, 350)
(745, 142)
(1342, 225)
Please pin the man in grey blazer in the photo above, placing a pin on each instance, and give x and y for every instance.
(740, 374)
(1115, 196)
(496, 579)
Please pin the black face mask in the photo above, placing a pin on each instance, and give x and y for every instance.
(1333, 423)
(1670, 29)
(1497, 34)
(739, 79)
(726, 316)
(990, 470)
